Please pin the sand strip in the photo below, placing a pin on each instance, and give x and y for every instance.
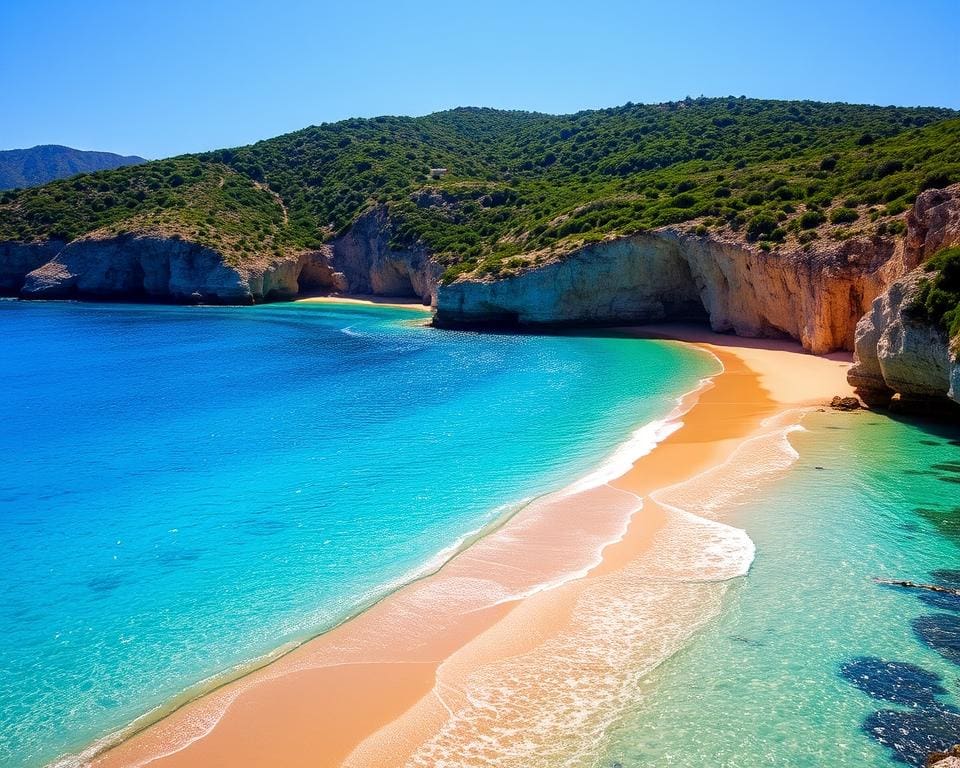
(397, 302)
(410, 680)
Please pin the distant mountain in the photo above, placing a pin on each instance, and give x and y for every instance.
(49, 162)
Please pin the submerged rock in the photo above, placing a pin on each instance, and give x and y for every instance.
(913, 736)
(896, 681)
(941, 632)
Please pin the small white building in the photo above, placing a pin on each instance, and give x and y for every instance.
(438, 173)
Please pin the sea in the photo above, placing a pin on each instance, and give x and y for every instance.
(187, 491)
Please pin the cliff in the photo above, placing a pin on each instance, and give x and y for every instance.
(897, 353)
(148, 267)
(815, 296)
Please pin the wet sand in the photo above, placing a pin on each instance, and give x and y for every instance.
(410, 674)
(397, 302)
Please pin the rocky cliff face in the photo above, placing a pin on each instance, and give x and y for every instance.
(606, 283)
(896, 354)
(815, 297)
(153, 268)
(17, 259)
(363, 262)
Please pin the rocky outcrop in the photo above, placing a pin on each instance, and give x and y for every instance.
(17, 259)
(364, 262)
(897, 354)
(635, 277)
(815, 297)
(154, 268)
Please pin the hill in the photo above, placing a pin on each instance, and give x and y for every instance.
(524, 187)
(49, 162)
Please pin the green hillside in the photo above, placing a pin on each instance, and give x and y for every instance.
(524, 186)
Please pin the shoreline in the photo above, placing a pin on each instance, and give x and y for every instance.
(394, 302)
(349, 696)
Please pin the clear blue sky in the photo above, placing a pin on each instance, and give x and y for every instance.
(161, 77)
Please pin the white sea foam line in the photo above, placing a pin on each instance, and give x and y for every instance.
(643, 440)
(739, 557)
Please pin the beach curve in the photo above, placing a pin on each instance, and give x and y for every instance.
(418, 678)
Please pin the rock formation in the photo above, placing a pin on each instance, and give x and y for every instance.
(153, 268)
(895, 353)
(813, 296)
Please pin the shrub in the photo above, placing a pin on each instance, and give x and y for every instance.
(761, 224)
(938, 299)
(828, 163)
(935, 180)
(721, 192)
(843, 216)
(812, 219)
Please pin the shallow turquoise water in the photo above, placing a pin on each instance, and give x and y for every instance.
(186, 489)
(764, 685)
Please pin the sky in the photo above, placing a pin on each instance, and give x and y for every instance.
(163, 77)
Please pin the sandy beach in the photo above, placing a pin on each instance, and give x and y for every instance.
(390, 301)
(482, 661)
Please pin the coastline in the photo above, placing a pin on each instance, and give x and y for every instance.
(381, 685)
(395, 302)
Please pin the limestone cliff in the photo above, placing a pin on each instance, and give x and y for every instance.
(17, 259)
(814, 296)
(899, 355)
(155, 268)
(896, 353)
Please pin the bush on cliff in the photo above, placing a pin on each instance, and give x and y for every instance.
(938, 299)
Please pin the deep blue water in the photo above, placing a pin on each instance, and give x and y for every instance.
(185, 489)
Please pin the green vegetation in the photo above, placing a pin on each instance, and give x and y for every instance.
(938, 300)
(525, 187)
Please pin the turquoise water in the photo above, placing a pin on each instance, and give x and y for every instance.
(788, 675)
(186, 489)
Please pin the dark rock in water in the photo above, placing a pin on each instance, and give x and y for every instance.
(941, 600)
(819, 467)
(946, 521)
(947, 577)
(895, 681)
(947, 466)
(914, 735)
(941, 632)
(930, 442)
(845, 403)
(950, 479)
